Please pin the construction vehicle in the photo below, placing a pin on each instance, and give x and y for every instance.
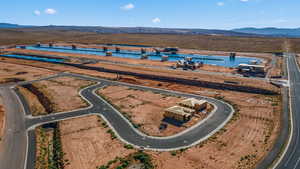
(188, 63)
(171, 49)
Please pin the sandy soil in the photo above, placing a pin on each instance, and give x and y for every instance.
(62, 92)
(251, 133)
(2, 119)
(35, 105)
(182, 74)
(87, 144)
(277, 69)
(9, 72)
(241, 144)
(146, 109)
(57, 68)
(189, 75)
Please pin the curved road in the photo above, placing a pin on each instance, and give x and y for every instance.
(122, 127)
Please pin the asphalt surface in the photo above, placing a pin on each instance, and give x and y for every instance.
(13, 145)
(284, 130)
(122, 127)
(291, 158)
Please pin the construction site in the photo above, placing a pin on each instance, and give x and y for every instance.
(159, 93)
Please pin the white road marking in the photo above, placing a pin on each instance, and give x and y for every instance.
(296, 163)
(291, 121)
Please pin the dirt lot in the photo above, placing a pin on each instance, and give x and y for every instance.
(145, 109)
(168, 73)
(2, 119)
(88, 144)
(35, 105)
(189, 75)
(241, 144)
(253, 131)
(277, 69)
(61, 93)
(12, 72)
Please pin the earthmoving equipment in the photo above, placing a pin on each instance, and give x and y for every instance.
(187, 63)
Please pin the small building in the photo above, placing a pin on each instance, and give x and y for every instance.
(195, 104)
(108, 53)
(171, 49)
(251, 68)
(179, 113)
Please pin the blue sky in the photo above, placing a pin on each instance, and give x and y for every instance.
(212, 14)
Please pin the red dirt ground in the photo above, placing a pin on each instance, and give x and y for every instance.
(62, 92)
(13, 71)
(146, 109)
(2, 119)
(87, 144)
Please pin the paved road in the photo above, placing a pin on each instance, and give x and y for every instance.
(13, 146)
(291, 158)
(122, 127)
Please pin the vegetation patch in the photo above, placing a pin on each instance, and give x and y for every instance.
(49, 149)
(136, 158)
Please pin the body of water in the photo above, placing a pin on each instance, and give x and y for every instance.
(34, 58)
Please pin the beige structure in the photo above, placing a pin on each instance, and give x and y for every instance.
(251, 68)
(195, 104)
(179, 113)
(108, 53)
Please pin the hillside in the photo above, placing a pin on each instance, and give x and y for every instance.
(279, 32)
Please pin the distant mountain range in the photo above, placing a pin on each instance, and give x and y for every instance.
(279, 32)
(9, 25)
(274, 32)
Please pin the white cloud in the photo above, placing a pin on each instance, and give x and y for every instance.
(37, 12)
(50, 11)
(220, 3)
(244, 0)
(127, 7)
(156, 20)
